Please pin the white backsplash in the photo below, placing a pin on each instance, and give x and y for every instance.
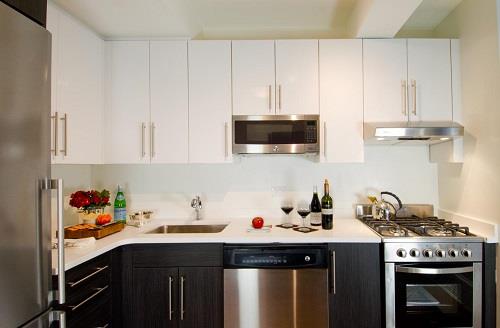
(256, 185)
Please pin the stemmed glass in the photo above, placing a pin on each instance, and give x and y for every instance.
(303, 211)
(287, 207)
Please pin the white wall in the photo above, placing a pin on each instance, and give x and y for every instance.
(473, 189)
(255, 185)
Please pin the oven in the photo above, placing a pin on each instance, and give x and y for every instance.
(442, 287)
(276, 134)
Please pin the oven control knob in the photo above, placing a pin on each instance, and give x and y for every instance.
(414, 252)
(440, 253)
(427, 252)
(401, 252)
(453, 252)
(466, 252)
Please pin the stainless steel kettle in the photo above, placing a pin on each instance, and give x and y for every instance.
(384, 210)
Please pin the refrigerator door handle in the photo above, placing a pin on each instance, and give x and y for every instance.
(57, 184)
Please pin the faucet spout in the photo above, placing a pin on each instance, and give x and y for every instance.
(196, 204)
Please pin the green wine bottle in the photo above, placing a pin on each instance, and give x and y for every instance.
(120, 206)
(327, 208)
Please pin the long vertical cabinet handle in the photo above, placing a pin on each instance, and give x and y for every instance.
(226, 148)
(55, 117)
(143, 141)
(270, 96)
(333, 268)
(279, 98)
(152, 141)
(170, 312)
(182, 297)
(414, 91)
(65, 119)
(404, 97)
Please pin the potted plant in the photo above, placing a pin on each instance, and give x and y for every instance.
(90, 205)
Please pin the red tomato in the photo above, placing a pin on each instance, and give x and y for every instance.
(103, 219)
(258, 222)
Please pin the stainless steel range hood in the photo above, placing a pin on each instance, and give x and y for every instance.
(411, 132)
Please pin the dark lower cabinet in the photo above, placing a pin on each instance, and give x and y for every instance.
(173, 285)
(89, 293)
(355, 285)
(34, 9)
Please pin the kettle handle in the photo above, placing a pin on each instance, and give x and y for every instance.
(400, 204)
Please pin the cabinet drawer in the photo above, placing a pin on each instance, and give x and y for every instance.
(95, 314)
(176, 255)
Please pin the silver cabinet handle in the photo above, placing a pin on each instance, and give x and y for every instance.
(76, 283)
(152, 141)
(226, 150)
(414, 90)
(65, 119)
(324, 139)
(279, 98)
(55, 117)
(143, 141)
(182, 297)
(270, 96)
(414, 270)
(404, 97)
(332, 272)
(98, 291)
(170, 312)
(105, 326)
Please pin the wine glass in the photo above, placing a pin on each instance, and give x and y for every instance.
(287, 207)
(304, 211)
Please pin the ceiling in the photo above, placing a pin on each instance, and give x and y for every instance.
(234, 19)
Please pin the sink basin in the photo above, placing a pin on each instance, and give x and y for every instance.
(188, 228)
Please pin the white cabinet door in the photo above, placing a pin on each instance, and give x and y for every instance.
(385, 76)
(53, 28)
(341, 100)
(79, 75)
(209, 101)
(253, 77)
(127, 110)
(169, 102)
(297, 90)
(429, 80)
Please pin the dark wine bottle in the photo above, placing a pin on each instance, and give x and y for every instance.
(315, 208)
(327, 208)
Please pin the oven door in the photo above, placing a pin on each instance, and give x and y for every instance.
(434, 295)
(270, 134)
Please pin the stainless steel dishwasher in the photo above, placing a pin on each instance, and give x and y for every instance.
(275, 285)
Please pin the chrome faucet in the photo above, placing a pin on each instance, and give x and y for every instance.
(196, 204)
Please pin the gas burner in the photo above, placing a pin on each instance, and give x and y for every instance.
(415, 226)
(439, 232)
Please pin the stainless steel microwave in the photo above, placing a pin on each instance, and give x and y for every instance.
(275, 134)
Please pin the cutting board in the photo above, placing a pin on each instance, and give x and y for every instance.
(97, 232)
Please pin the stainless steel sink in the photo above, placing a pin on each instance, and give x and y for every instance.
(189, 228)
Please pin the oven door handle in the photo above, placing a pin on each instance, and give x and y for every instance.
(405, 269)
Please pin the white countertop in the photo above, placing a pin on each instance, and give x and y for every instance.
(345, 230)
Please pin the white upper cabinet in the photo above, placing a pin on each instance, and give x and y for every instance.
(127, 111)
(253, 77)
(429, 80)
(341, 100)
(77, 90)
(169, 102)
(297, 90)
(209, 101)
(385, 80)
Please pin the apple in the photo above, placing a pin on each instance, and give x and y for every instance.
(103, 219)
(258, 222)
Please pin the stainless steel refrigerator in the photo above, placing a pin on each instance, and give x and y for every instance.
(27, 298)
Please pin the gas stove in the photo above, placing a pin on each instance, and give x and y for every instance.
(418, 236)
